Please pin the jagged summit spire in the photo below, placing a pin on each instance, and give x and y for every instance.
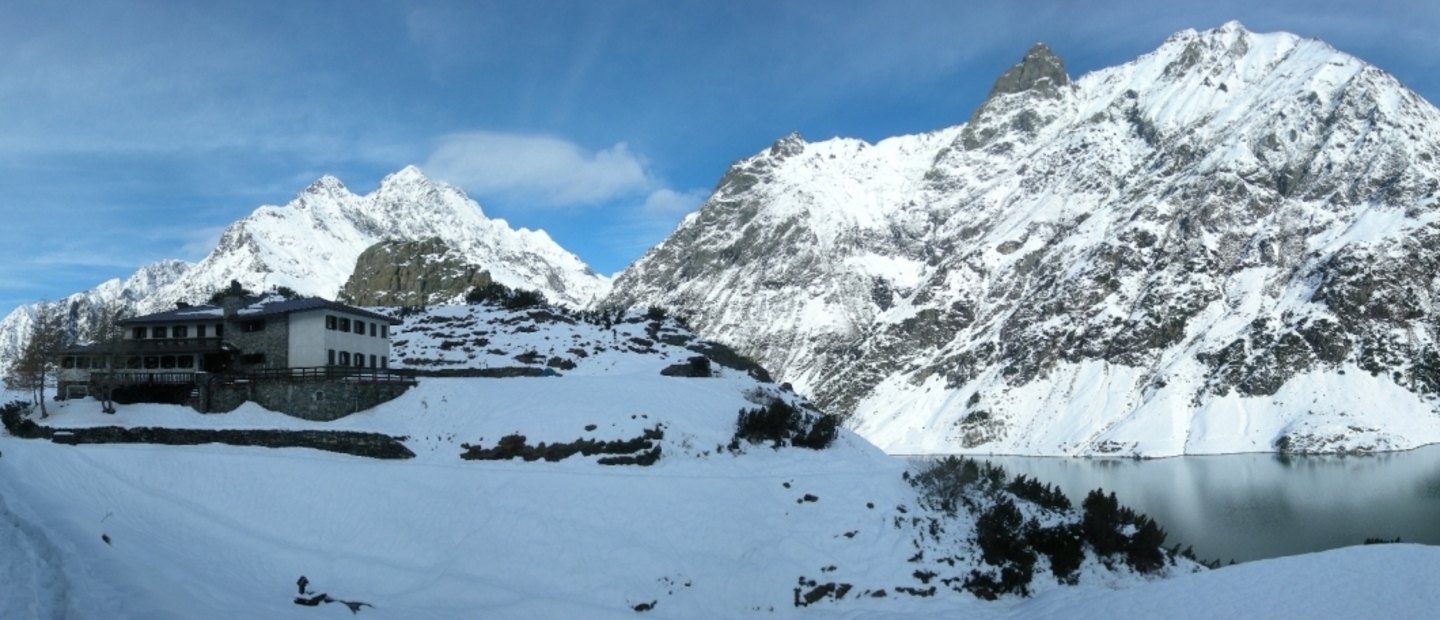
(1233, 25)
(326, 184)
(1040, 70)
(791, 144)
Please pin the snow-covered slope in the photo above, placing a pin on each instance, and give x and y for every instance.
(311, 244)
(1228, 244)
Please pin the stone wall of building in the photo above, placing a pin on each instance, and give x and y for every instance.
(273, 341)
(320, 401)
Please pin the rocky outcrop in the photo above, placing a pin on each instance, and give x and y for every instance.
(419, 273)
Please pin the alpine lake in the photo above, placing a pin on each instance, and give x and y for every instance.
(1246, 507)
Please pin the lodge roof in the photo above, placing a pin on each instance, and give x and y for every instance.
(256, 307)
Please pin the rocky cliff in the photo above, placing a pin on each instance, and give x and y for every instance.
(411, 273)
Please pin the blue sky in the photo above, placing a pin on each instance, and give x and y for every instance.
(135, 131)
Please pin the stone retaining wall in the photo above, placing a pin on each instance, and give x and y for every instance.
(320, 401)
(370, 445)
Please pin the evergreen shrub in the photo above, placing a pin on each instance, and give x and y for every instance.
(780, 423)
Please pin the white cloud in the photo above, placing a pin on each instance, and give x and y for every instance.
(543, 169)
(199, 243)
(666, 202)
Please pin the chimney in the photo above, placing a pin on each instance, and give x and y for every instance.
(234, 298)
(181, 305)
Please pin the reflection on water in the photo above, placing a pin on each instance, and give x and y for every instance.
(1252, 506)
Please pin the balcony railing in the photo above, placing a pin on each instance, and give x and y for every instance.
(316, 374)
(146, 377)
(319, 374)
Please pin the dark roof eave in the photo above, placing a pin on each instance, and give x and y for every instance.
(207, 313)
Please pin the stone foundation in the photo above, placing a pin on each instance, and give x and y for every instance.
(320, 401)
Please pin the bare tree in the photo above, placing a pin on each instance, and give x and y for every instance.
(40, 357)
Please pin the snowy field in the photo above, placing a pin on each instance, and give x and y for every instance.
(224, 532)
(216, 531)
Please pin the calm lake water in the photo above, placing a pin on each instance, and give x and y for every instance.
(1252, 506)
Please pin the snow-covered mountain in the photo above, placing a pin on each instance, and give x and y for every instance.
(311, 244)
(1228, 244)
(83, 309)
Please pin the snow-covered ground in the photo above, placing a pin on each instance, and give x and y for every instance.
(224, 532)
(216, 531)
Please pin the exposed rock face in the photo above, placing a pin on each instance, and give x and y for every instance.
(1040, 69)
(1229, 244)
(411, 273)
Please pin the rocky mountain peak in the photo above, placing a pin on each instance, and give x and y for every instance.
(326, 185)
(788, 146)
(1040, 74)
(409, 180)
(1040, 70)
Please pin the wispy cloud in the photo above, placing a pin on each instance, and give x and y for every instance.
(200, 243)
(546, 170)
(666, 203)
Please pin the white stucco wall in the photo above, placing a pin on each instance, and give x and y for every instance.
(310, 342)
(307, 339)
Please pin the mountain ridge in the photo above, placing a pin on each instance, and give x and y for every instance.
(1180, 237)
